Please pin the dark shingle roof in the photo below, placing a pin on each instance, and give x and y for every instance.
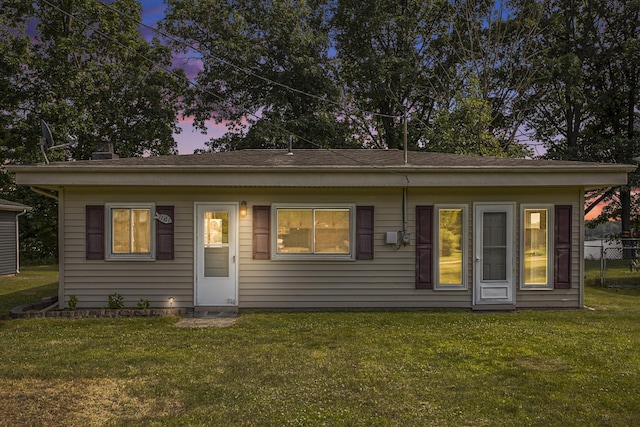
(320, 158)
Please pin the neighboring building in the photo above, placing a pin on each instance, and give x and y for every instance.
(323, 229)
(9, 240)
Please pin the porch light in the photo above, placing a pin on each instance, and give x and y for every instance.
(243, 209)
(171, 300)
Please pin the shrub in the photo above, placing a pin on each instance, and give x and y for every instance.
(73, 302)
(116, 301)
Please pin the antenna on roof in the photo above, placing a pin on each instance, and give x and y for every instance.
(46, 141)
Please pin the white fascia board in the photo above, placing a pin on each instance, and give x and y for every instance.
(223, 177)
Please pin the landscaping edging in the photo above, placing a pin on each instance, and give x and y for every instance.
(35, 310)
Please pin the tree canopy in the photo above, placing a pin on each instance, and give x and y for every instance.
(347, 73)
(587, 99)
(90, 74)
(468, 76)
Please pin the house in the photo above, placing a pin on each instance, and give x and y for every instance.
(9, 238)
(276, 229)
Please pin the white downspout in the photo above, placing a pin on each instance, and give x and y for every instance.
(24, 211)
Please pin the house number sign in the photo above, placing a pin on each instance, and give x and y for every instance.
(163, 218)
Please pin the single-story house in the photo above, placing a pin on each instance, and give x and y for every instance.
(312, 229)
(9, 237)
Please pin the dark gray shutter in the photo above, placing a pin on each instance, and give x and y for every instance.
(424, 247)
(95, 231)
(364, 232)
(261, 227)
(562, 247)
(164, 234)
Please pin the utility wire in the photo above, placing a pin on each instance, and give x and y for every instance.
(183, 77)
(164, 68)
(245, 70)
(178, 76)
(252, 73)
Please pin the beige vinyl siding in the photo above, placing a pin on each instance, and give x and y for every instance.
(386, 281)
(560, 298)
(93, 281)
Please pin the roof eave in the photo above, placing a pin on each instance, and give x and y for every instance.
(320, 177)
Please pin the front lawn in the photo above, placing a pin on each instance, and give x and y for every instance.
(30, 285)
(366, 368)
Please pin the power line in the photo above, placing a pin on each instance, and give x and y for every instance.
(245, 70)
(176, 75)
(215, 95)
(173, 73)
(252, 73)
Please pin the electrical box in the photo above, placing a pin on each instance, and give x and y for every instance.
(391, 238)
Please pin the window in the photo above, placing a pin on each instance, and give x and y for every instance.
(216, 229)
(131, 232)
(536, 250)
(451, 251)
(314, 232)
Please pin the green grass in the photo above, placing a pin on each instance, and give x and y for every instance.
(617, 274)
(363, 368)
(30, 285)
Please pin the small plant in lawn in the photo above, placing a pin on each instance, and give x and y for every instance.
(116, 301)
(73, 302)
(143, 304)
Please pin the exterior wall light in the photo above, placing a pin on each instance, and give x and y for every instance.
(243, 209)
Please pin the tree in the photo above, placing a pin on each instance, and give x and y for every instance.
(588, 94)
(493, 44)
(389, 55)
(265, 71)
(464, 127)
(86, 70)
(346, 73)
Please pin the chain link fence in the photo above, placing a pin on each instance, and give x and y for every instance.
(613, 263)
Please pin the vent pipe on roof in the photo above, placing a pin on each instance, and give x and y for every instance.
(290, 151)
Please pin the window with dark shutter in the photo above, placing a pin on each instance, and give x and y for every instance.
(261, 227)
(364, 232)
(424, 247)
(562, 247)
(95, 232)
(164, 232)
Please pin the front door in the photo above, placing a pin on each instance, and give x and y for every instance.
(493, 266)
(215, 254)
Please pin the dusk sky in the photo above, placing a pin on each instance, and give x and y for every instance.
(190, 138)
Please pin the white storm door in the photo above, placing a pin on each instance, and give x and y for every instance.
(216, 238)
(493, 247)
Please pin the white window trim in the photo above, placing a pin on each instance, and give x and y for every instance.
(351, 256)
(465, 248)
(550, 249)
(110, 256)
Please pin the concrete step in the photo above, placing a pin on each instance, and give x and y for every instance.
(215, 312)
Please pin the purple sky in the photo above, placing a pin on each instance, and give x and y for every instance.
(190, 138)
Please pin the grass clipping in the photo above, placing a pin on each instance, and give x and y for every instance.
(79, 402)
